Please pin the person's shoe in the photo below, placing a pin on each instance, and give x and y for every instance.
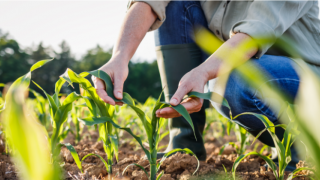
(174, 61)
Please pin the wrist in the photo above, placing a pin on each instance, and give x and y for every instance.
(120, 58)
(211, 67)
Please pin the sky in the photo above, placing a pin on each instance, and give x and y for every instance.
(83, 24)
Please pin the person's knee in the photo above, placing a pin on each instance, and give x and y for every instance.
(241, 99)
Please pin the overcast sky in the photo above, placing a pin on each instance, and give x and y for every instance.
(83, 24)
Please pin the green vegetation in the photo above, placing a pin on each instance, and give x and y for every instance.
(35, 128)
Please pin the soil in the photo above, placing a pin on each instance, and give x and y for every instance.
(177, 166)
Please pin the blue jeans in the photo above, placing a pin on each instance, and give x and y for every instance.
(178, 28)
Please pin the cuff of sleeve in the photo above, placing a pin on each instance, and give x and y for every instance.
(259, 31)
(159, 7)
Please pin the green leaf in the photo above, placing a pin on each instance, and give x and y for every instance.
(91, 105)
(225, 170)
(160, 175)
(134, 164)
(24, 81)
(281, 150)
(25, 138)
(92, 154)
(58, 86)
(108, 83)
(39, 64)
(65, 134)
(270, 163)
(181, 110)
(227, 144)
(74, 155)
(164, 135)
(107, 119)
(211, 96)
(71, 98)
(115, 144)
(89, 121)
(229, 127)
(186, 150)
(52, 105)
(242, 136)
(269, 125)
(291, 175)
(263, 148)
(72, 77)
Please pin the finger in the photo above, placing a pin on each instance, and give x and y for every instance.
(118, 87)
(192, 104)
(178, 96)
(100, 89)
(119, 103)
(104, 96)
(167, 112)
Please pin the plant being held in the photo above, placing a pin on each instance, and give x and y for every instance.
(101, 114)
(152, 125)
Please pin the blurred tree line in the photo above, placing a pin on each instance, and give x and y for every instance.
(143, 80)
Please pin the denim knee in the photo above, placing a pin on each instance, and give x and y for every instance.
(181, 18)
(243, 98)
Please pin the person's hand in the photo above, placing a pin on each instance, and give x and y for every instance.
(194, 80)
(118, 72)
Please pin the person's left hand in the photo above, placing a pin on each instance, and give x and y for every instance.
(194, 80)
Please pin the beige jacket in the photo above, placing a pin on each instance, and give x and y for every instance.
(296, 20)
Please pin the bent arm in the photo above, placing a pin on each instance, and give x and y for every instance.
(241, 45)
(214, 66)
(136, 24)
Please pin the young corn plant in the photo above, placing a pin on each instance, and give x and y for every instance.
(59, 112)
(101, 113)
(75, 113)
(242, 137)
(282, 147)
(41, 108)
(25, 136)
(152, 126)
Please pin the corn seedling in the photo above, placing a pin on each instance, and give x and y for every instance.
(41, 108)
(101, 113)
(242, 137)
(75, 113)
(209, 124)
(26, 138)
(59, 112)
(282, 147)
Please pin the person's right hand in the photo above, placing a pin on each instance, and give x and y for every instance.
(118, 72)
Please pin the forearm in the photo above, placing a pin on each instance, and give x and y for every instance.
(229, 54)
(136, 24)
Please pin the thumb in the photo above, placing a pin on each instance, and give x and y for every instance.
(178, 96)
(118, 87)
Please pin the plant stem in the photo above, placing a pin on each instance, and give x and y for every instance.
(109, 169)
(153, 165)
(153, 171)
